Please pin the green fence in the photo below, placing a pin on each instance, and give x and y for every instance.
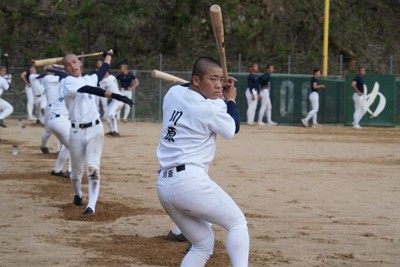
(289, 96)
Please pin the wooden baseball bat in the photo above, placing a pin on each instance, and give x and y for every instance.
(56, 60)
(218, 28)
(167, 77)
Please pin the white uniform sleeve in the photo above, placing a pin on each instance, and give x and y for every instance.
(222, 123)
(4, 84)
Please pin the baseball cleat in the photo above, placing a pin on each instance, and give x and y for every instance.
(78, 201)
(358, 127)
(2, 124)
(260, 123)
(272, 123)
(316, 125)
(44, 149)
(124, 120)
(88, 211)
(189, 247)
(305, 123)
(60, 174)
(115, 134)
(173, 237)
(32, 118)
(109, 133)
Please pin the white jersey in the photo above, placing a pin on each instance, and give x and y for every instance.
(81, 106)
(4, 85)
(37, 86)
(110, 83)
(58, 107)
(50, 84)
(190, 126)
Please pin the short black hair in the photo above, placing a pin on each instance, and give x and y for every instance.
(360, 68)
(201, 65)
(269, 65)
(315, 70)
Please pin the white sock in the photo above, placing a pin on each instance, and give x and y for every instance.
(94, 190)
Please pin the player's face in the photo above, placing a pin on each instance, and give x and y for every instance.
(210, 85)
(362, 72)
(72, 66)
(254, 68)
(32, 70)
(2, 71)
(271, 69)
(124, 68)
(317, 74)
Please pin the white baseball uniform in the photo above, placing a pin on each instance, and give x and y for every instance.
(110, 83)
(58, 123)
(266, 106)
(5, 108)
(252, 91)
(86, 135)
(190, 126)
(314, 100)
(39, 96)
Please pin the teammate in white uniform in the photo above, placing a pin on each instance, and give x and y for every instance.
(110, 83)
(86, 134)
(101, 100)
(38, 93)
(193, 116)
(314, 99)
(5, 108)
(252, 92)
(58, 123)
(29, 94)
(266, 107)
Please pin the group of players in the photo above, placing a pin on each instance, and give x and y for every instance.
(259, 88)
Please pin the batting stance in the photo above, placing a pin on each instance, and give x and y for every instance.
(5, 108)
(314, 99)
(193, 116)
(87, 134)
(359, 97)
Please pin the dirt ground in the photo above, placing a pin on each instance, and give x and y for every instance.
(312, 197)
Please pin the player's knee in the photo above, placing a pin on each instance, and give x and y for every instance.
(93, 173)
(204, 248)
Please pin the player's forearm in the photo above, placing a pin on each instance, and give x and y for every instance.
(103, 69)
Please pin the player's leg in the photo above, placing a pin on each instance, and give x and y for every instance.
(29, 102)
(357, 110)
(60, 127)
(77, 147)
(269, 109)
(261, 112)
(315, 107)
(5, 110)
(251, 109)
(127, 110)
(94, 148)
(42, 107)
(104, 104)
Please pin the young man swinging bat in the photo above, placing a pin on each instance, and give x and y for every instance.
(86, 134)
(193, 115)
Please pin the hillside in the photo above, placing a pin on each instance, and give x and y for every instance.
(364, 31)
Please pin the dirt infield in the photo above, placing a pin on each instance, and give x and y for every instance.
(312, 197)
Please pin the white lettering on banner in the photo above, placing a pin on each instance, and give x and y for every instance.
(370, 99)
(287, 98)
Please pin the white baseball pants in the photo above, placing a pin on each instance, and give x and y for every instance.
(266, 106)
(359, 108)
(40, 105)
(314, 99)
(192, 200)
(86, 145)
(60, 127)
(127, 109)
(5, 109)
(251, 106)
(103, 102)
(29, 101)
(111, 115)
(46, 133)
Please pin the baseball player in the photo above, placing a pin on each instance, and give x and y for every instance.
(38, 93)
(58, 122)
(110, 83)
(193, 116)
(86, 134)
(29, 94)
(252, 92)
(266, 106)
(359, 97)
(101, 100)
(128, 82)
(314, 99)
(5, 108)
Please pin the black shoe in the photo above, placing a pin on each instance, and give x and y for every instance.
(2, 124)
(38, 122)
(61, 174)
(45, 149)
(189, 247)
(78, 201)
(109, 133)
(173, 237)
(88, 211)
(115, 134)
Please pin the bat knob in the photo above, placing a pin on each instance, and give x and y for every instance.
(33, 61)
(110, 51)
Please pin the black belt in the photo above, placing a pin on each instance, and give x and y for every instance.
(38, 95)
(85, 125)
(57, 115)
